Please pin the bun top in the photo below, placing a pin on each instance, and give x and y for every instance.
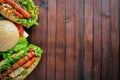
(9, 35)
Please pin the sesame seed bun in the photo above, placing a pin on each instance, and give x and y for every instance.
(9, 35)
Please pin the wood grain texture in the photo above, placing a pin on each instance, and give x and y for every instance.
(88, 40)
(97, 40)
(60, 41)
(70, 40)
(43, 40)
(106, 53)
(115, 38)
(80, 39)
(51, 40)
(77, 42)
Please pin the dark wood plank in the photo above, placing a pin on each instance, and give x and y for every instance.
(97, 40)
(119, 33)
(77, 41)
(60, 40)
(43, 41)
(51, 33)
(106, 57)
(115, 38)
(88, 40)
(69, 67)
(79, 31)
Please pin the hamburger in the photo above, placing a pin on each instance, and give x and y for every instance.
(18, 57)
(23, 12)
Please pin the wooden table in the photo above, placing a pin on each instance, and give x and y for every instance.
(80, 39)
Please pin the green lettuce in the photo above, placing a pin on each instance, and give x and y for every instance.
(37, 49)
(8, 62)
(22, 43)
(33, 11)
(28, 22)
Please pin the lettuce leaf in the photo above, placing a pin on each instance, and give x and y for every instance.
(33, 11)
(6, 55)
(37, 49)
(28, 22)
(8, 62)
(17, 56)
(22, 43)
(6, 66)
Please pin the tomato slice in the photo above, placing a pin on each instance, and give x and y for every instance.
(20, 29)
